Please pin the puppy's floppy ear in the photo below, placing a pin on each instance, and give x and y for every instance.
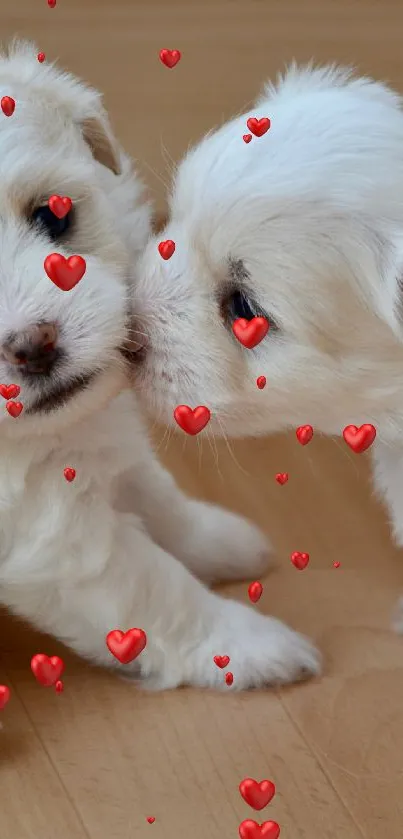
(98, 135)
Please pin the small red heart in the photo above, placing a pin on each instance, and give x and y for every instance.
(256, 794)
(249, 829)
(282, 478)
(304, 434)
(151, 819)
(229, 678)
(255, 591)
(299, 560)
(5, 694)
(250, 332)
(7, 105)
(60, 205)
(41, 57)
(47, 670)
(192, 420)
(336, 565)
(258, 127)
(170, 57)
(69, 473)
(166, 249)
(14, 408)
(10, 391)
(59, 686)
(221, 661)
(246, 138)
(126, 646)
(65, 273)
(52, 3)
(359, 439)
(261, 382)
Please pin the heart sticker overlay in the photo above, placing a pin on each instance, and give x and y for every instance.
(229, 679)
(170, 57)
(192, 420)
(221, 661)
(51, 4)
(14, 408)
(261, 382)
(126, 646)
(41, 57)
(65, 273)
(246, 138)
(359, 439)
(282, 478)
(299, 560)
(250, 332)
(69, 473)
(5, 694)
(249, 829)
(166, 249)
(60, 205)
(255, 591)
(258, 127)
(9, 391)
(257, 795)
(304, 434)
(7, 105)
(336, 565)
(59, 686)
(47, 671)
(151, 819)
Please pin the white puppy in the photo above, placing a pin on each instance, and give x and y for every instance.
(116, 547)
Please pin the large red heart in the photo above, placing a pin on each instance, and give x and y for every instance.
(300, 560)
(249, 829)
(65, 273)
(258, 127)
(60, 205)
(250, 332)
(126, 646)
(170, 57)
(14, 408)
(166, 249)
(359, 439)
(221, 661)
(9, 391)
(47, 670)
(304, 434)
(192, 420)
(257, 795)
(5, 694)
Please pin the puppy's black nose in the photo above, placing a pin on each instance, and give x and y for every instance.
(33, 350)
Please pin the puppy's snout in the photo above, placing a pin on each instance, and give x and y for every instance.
(33, 350)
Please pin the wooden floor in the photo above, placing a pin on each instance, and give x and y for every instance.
(98, 759)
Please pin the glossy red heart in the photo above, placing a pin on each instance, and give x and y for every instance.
(7, 105)
(47, 671)
(300, 560)
(65, 273)
(69, 473)
(192, 420)
(229, 679)
(304, 434)
(9, 391)
(41, 57)
(261, 382)
(151, 819)
(257, 795)
(52, 3)
(166, 249)
(282, 478)
(359, 439)
(246, 138)
(258, 127)
(60, 205)
(14, 408)
(5, 694)
(170, 57)
(255, 591)
(250, 332)
(126, 646)
(249, 829)
(221, 661)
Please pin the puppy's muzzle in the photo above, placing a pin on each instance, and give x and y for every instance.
(34, 351)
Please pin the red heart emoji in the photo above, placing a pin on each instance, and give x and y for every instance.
(60, 205)
(304, 434)
(258, 127)
(151, 819)
(282, 478)
(59, 686)
(5, 694)
(246, 138)
(250, 332)
(192, 420)
(52, 3)
(9, 391)
(257, 795)
(41, 57)
(299, 560)
(170, 57)
(126, 646)
(69, 473)
(255, 591)
(261, 382)
(249, 829)
(47, 670)
(229, 678)
(221, 661)
(336, 565)
(14, 408)
(65, 273)
(7, 105)
(359, 439)
(167, 248)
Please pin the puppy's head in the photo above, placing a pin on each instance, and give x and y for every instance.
(60, 347)
(302, 226)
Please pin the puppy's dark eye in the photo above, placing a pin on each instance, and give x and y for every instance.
(237, 305)
(54, 227)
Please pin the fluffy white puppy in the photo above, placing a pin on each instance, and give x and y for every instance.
(304, 226)
(118, 546)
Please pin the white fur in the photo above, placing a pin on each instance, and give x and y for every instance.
(117, 547)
